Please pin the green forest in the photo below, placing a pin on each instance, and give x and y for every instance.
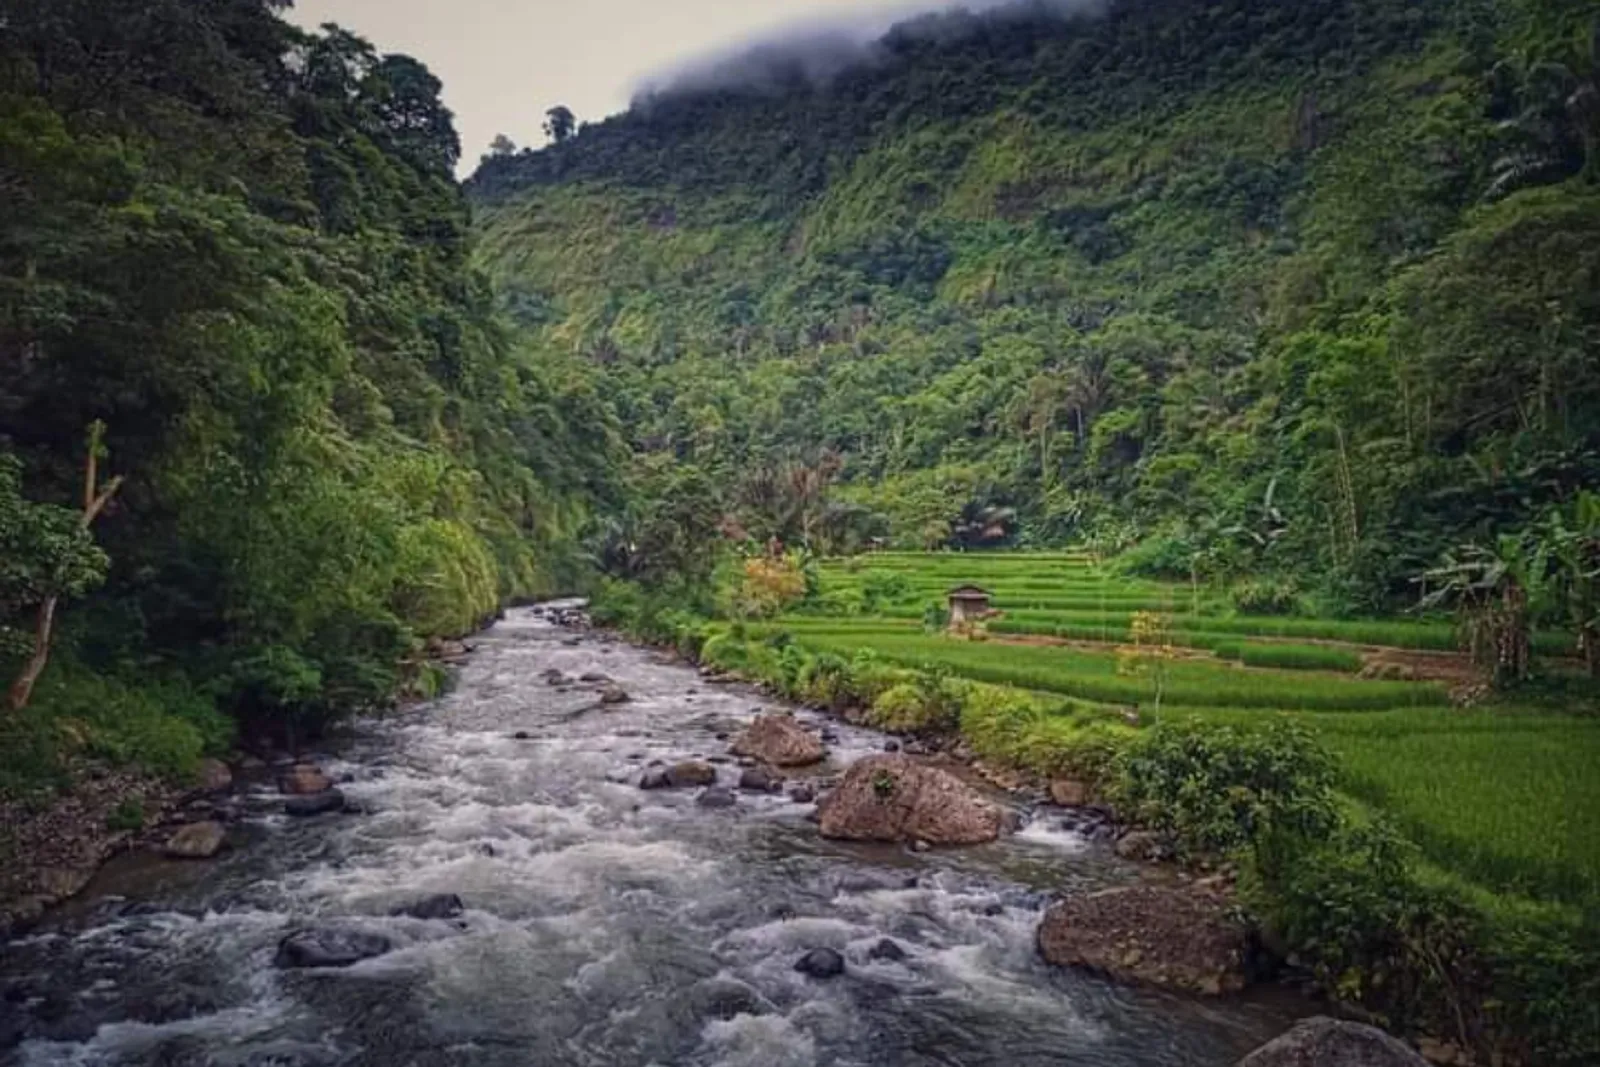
(237, 302)
(1301, 289)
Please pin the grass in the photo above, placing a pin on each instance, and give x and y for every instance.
(1292, 657)
(1098, 676)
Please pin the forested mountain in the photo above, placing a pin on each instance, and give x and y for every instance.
(234, 263)
(1308, 287)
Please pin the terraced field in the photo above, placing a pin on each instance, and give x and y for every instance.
(1504, 797)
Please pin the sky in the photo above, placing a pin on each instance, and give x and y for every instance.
(503, 62)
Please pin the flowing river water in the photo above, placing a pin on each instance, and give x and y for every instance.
(604, 925)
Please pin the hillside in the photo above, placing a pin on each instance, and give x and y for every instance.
(1309, 288)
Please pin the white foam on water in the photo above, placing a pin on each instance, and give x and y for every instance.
(1044, 833)
(757, 1041)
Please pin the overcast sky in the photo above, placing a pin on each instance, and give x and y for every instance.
(503, 62)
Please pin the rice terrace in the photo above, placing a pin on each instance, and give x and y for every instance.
(1502, 796)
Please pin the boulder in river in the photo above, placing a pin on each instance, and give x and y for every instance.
(593, 678)
(820, 963)
(894, 798)
(304, 778)
(197, 841)
(757, 780)
(716, 796)
(1069, 792)
(887, 950)
(436, 906)
(1323, 1042)
(802, 793)
(1142, 845)
(314, 804)
(779, 741)
(329, 948)
(214, 776)
(691, 773)
(614, 694)
(1180, 938)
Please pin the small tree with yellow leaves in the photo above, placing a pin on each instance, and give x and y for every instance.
(1149, 649)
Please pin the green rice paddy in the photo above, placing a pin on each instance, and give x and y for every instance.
(1505, 798)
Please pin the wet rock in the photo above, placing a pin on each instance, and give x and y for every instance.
(1178, 938)
(757, 780)
(891, 745)
(197, 841)
(329, 948)
(1324, 1042)
(887, 950)
(1069, 793)
(690, 773)
(780, 741)
(916, 748)
(303, 778)
(437, 906)
(487, 849)
(829, 736)
(214, 775)
(554, 677)
(614, 694)
(593, 678)
(821, 963)
(716, 796)
(1142, 845)
(572, 642)
(328, 800)
(802, 793)
(893, 798)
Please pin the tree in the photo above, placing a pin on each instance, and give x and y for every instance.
(47, 555)
(559, 122)
(502, 146)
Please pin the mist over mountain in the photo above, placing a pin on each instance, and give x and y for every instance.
(816, 52)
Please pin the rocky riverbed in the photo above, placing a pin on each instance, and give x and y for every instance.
(496, 888)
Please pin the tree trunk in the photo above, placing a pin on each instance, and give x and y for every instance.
(22, 689)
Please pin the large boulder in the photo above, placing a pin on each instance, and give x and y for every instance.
(821, 963)
(329, 948)
(197, 841)
(780, 741)
(894, 798)
(303, 779)
(1176, 937)
(1323, 1042)
(690, 774)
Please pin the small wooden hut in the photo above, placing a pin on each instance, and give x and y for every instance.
(968, 604)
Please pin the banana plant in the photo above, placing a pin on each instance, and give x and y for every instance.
(1573, 533)
(1495, 589)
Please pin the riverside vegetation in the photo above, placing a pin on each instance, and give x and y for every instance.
(1271, 330)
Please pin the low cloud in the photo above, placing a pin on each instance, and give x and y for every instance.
(816, 52)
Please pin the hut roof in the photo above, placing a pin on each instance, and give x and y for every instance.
(969, 592)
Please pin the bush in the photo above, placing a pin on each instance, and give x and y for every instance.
(929, 704)
(1164, 556)
(881, 589)
(1265, 596)
(1215, 789)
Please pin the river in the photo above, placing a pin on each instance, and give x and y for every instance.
(605, 925)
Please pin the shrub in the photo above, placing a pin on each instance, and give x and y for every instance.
(1214, 789)
(127, 816)
(767, 586)
(1265, 596)
(1163, 556)
(880, 588)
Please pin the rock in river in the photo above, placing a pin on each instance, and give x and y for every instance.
(780, 741)
(887, 949)
(304, 778)
(329, 948)
(1324, 1042)
(314, 804)
(716, 796)
(894, 798)
(1182, 938)
(756, 780)
(437, 906)
(214, 775)
(197, 841)
(821, 963)
(613, 695)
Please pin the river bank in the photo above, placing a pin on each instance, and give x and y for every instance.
(600, 921)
